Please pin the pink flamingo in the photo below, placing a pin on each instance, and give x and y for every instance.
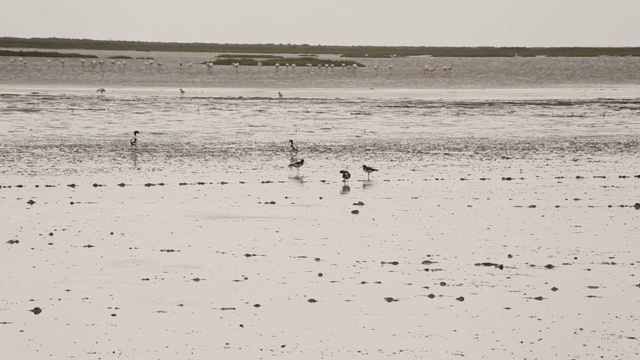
(277, 68)
(390, 68)
(447, 70)
(235, 67)
(375, 67)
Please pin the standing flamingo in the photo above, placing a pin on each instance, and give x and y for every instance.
(447, 70)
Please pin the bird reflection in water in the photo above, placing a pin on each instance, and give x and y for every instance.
(134, 159)
(345, 182)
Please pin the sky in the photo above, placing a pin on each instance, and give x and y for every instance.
(531, 23)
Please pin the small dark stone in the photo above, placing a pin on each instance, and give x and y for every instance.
(320, 275)
(431, 296)
(390, 299)
(256, 305)
(442, 283)
(461, 298)
(549, 266)
(31, 202)
(355, 212)
(554, 289)
(313, 301)
(539, 298)
(509, 256)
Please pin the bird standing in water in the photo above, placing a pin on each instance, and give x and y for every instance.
(345, 175)
(297, 164)
(368, 170)
(182, 92)
(134, 140)
(293, 147)
(101, 90)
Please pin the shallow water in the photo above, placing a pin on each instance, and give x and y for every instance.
(201, 242)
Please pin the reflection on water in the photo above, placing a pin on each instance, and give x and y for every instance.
(345, 189)
(134, 157)
(299, 179)
(368, 184)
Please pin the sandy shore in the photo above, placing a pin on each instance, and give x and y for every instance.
(264, 266)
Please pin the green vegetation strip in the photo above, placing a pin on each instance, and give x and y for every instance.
(347, 51)
(43, 54)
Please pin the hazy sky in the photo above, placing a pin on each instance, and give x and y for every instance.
(332, 22)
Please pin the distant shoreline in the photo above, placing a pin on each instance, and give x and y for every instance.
(345, 51)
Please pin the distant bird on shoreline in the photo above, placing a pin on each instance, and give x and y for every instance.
(101, 90)
(345, 175)
(280, 95)
(293, 147)
(297, 164)
(368, 170)
(182, 92)
(134, 140)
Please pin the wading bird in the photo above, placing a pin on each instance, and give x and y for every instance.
(297, 164)
(134, 140)
(345, 175)
(368, 170)
(293, 147)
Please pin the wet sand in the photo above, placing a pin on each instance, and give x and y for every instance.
(202, 243)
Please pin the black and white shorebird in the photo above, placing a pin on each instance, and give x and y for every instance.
(134, 140)
(293, 147)
(297, 164)
(368, 170)
(280, 95)
(345, 175)
(101, 90)
(182, 92)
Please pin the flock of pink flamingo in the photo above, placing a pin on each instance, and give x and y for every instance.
(350, 69)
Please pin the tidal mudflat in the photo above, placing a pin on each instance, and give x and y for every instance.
(497, 227)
